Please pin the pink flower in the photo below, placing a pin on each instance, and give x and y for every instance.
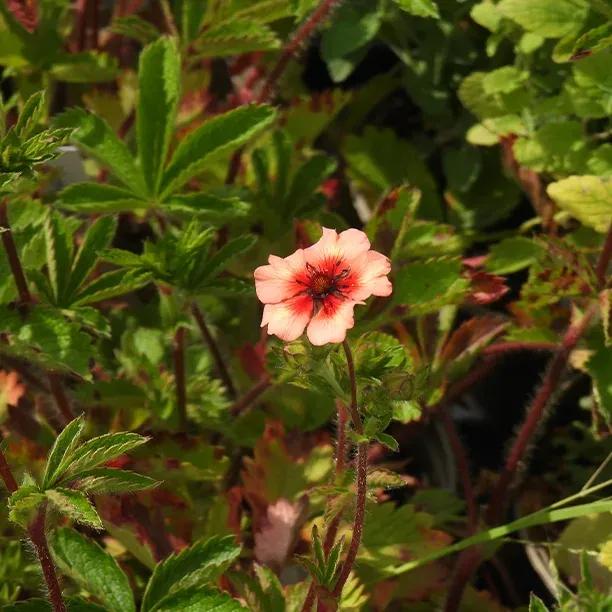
(273, 543)
(319, 286)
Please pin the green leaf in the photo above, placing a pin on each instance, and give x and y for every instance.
(307, 179)
(541, 517)
(225, 131)
(425, 286)
(588, 198)
(159, 74)
(135, 27)
(61, 450)
(98, 450)
(598, 367)
(226, 253)
(201, 563)
(594, 40)
(208, 207)
(110, 285)
(85, 67)
(547, 18)
(31, 115)
(99, 198)
(389, 441)
(58, 243)
(111, 480)
(512, 254)
(536, 604)
(420, 8)
(93, 569)
(48, 339)
(504, 80)
(200, 600)
(240, 35)
(75, 506)
(96, 137)
(22, 504)
(98, 237)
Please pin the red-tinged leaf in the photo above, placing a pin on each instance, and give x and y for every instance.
(472, 335)
(25, 12)
(11, 390)
(486, 288)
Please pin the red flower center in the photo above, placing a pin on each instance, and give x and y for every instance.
(322, 283)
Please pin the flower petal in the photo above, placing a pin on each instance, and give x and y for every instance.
(353, 243)
(369, 277)
(331, 322)
(279, 280)
(288, 319)
(325, 252)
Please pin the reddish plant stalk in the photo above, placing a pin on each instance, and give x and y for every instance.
(211, 343)
(508, 347)
(296, 42)
(468, 562)
(463, 468)
(332, 530)
(179, 376)
(36, 531)
(535, 413)
(61, 400)
(362, 473)
(12, 255)
(250, 396)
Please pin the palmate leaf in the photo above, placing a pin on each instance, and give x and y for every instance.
(58, 243)
(48, 339)
(240, 35)
(98, 450)
(22, 504)
(98, 237)
(226, 253)
(99, 198)
(158, 94)
(111, 480)
(61, 450)
(197, 565)
(208, 207)
(200, 600)
(223, 132)
(95, 137)
(93, 569)
(420, 8)
(110, 285)
(31, 114)
(74, 505)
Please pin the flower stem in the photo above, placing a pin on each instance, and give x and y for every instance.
(36, 531)
(179, 376)
(332, 529)
(211, 343)
(362, 473)
(61, 400)
(12, 256)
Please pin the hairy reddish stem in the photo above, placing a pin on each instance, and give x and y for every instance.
(179, 376)
(250, 396)
(12, 255)
(61, 400)
(463, 468)
(298, 40)
(468, 562)
(39, 539)
(36, 531)
(362, 473)
(295, 43)
(535, 414)
(213, 347)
